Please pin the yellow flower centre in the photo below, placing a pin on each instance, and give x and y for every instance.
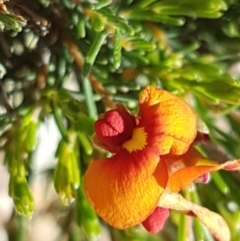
(138, 140)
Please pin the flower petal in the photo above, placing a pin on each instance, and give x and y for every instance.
(114, 128)
(183, 177)
(125, 188)
(169, 121)
(214, 222)
(200, 166)
(156, 220)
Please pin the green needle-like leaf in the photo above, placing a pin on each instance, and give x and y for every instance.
(91, 105)
(117, 48)
(86, 217)
(92, 53)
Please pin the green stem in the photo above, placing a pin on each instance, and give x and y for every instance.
(20, 228)
(198, 230)
(182, 228)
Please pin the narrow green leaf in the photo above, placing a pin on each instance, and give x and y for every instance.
(98, 24)
(57, 113)
(121, 24)
(74, 169)
(220, 182)
(92, 53)
(102, 3)
(31, 137)
(139, 44)
(117, 48)
(85, 143)
(75, 18)
(91, 105)
(80, 27)
(151, 16)
(113, 19)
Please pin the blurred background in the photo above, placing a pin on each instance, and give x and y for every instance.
(63, 62)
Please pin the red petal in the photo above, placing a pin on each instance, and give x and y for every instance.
(156, 221)
(114, 128)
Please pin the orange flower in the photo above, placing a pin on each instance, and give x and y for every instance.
(125, 188)
(151, 156)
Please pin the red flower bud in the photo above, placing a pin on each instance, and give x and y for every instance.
(156, 221)
(114, 129)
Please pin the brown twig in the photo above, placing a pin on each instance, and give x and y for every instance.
(36, 18)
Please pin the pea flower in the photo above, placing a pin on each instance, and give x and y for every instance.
(153, 159)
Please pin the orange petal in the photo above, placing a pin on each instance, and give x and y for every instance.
(125, 188)
(168, 120)
(184, 176)
(214, 222)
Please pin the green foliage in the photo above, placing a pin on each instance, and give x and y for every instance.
(11, 22)
(67, 171)
(21, 141)
(109, 51)
(86, 217)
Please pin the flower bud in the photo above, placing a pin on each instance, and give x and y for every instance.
(22, 195)
(67, 172)
(156, 221)
(114, 129)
